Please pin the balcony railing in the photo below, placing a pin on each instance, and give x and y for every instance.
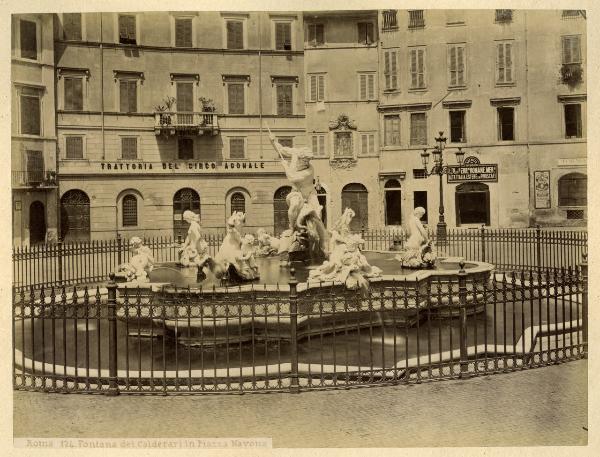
(33, 178)
(390, 20)
(416, 19)
(173, 122)
(504, 15)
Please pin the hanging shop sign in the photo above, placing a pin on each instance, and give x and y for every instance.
(472, 170)
(541, 184)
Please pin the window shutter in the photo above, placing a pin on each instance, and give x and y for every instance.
(453, 65)
(567, 55)
(235, 37)
(72, 26)
(123, 96)
(320, 32)
(387, 69)
(315, 145)
(68, 93)
(129, 148)
(321, 94)
(362, 32)
(371, 81)
(500, 61)
(394, 70)
(77, 94)
(508, 62)
(283, 34)
(363, 87)
(131, 27)
(321, 144)
(35, 165)
(74, 146)
(421, 68)
(313, 88)
(576, 50)
(236, 98)
(30, 115)
(28, 35)
(284, 99)
(364, 144)
(460, 63)
(132, 96)
(185, 97)
(312, 33)
(180, 33)
(236, 148)
(371, 144)
(413, 68)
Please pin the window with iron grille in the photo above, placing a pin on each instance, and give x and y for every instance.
(238, 202)
(506, 123)
(366, 86)
(573, 126)
(391, 69)
(575, 214)
(185, 149)
(416, 19)
(572, 190)
(128, 95)
(74, 147)
(367, 144)
(571, 14)
(283, 36)
(458, 128)
(129, 148)
(127, 32)
(417, 68)
(316, 34)
(235, 35)
(185, 97)
(571, 49)
(236, 148)
(418, 128)
(28, 37)
(504, 15)
(183, 32)
(235, 98)
(318, 145)
(129, 206)
(286, 141)
(73, 93)
(365, 32)
(456, 65)
(504, 63)
(317, 88)
(391, 125)
(284, 99)
(419, 173)
(390, 20)
(72, 26)
(30, 111)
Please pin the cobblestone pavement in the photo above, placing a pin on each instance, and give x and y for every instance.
(544, 406)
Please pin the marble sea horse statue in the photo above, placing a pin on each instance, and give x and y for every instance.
(194, 250)
(346, 263)
(140, 263)
(235, 260)
(304, 210)
(418, 251)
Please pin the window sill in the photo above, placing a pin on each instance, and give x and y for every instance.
(121, 159)
(25, 60)
(456, 24)
(418, 89)
(461, 87)
(391, 91)
(510, 84)
(390, 29)
(71, 159)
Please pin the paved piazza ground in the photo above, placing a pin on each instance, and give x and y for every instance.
(544, 406)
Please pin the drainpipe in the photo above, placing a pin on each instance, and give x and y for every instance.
(260, 119)
(527, 143)
(102, 88)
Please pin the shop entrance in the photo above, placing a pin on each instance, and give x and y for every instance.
(472, 204)
(356, 196)
(37, 223)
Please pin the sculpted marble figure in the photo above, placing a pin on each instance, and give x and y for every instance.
(140, 263)
(418, 250)
(231, 258)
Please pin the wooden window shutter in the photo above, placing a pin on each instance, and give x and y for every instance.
(371, 87)
(371, 144)
(413, 68)
(387, 69)
(283, 35)
(28, 35)
(508, 62)
(321, 144)
(394, 70)
(284, 99)
(129, 148)
(500, 62)
(236, 148)
(235, 35)
(320, 32)
(30, 115)
(72, 26)
(363, 87)
(315, 144)
(567, 50)
(235, 94)
(185, 97)
(123, 96)
(460, 65)
(321, 95)
(313, 88)
(364, 147)
(74, 146)
(421, 67)
(183, 33)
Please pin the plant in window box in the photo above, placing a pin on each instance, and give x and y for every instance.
(571, 74)
(208, 106)
(165, 110)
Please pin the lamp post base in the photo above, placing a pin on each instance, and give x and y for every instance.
(441, 233)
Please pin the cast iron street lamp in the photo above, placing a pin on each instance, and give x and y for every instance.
(440, 170)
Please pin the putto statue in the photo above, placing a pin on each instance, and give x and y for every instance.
(346, 263)
(140, 263)
(234, 260)
(418, 251)
(194, 250)
(304, 210)
(267, 245)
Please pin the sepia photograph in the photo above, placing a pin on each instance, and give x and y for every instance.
(258, 228)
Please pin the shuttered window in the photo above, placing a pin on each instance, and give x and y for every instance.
(283, 36)
(418, 128)
(504, 63)
(183, 32)
(417, 68)
(28, 36)
(129, 148)
(130, 217)
(235, 35)
(284, 99)
(317, 88)
(35, 166)
(30, 112)
(318, 145)
(127, 32)
(391, 70)
(236, 148)
(72, 26)
(365, 32)
(128, 95)
(456, 67)
(571, 49)
(185, 97)
(316, 34)
(74, 147)
(185, 149)
(286, 141)
(235, 98)
(392, 129)
(366, 86)
(73, 94)
(367, 144)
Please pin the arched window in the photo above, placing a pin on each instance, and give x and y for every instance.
(238, 202)
(472, 203)
(356, 197)
(280, 209)
(75, 216)
(184, 199)
(393, 202)
(130, 211)
(572, 190)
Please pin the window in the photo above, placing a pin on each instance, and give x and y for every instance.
(365, 33)
(127, 29)
(185, 97)
(236, 148)
(504, 63)
(504, 15)
(235, 98)
(184, 199)
(391, 70)
(129, 148)
(73, 94)
(286, 141)
(35, 166)
(283, 36)
(284, 99)
(393, 202)
(183, 32)
(72, 26)
(235, 35)
(570, 14)
(238, 202)
(420, 199)
(418, 129)
(506, 121)
(390, 20)
(318, 145)
(130, 217)
(455, 17)
(317, 88)
(392, 129)
(185, 149)
(416, 19)
(74, 147)
(456, 65)
(419, 173)
(28, 39)
(316, 34)
(367, 144)
(343, 144)
(458, 130)
(128, 95)
(572, 190)
(366, 86)
(417, 68)
(30, 111)
(571, 49)
(573, 128)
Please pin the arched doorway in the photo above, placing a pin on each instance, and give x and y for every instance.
(572, 190)
(280, 209)
(393, 202)
(75, 216)
(183, 200)
(472, 203)
(356, 197)
(37, 223)
(322, 197)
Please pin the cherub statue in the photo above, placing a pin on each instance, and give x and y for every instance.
(194, 250)
(230, 257)
(267, 244)
(247, 267)
(140, 263)
(418, 250)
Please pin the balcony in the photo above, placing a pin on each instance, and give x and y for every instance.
(34, 179)
(188, 123)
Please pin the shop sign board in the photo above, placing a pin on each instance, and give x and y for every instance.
(541, 184)
(472, 170)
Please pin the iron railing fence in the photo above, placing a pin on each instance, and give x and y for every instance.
(508, 249)
(293, 337)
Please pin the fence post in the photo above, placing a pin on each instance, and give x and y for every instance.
(113, 387)
(538, 246)
(462, 299)
(293, 283)
(60, 261)
(119, 256)
(483, 243)
(584, 303)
